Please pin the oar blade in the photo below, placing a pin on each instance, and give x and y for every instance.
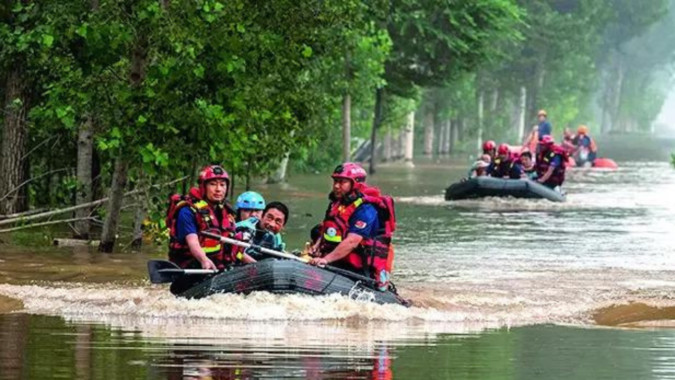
(162, 271)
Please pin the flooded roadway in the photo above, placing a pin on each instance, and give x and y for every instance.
(502, 289)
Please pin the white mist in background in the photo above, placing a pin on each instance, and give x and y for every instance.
(665, 124)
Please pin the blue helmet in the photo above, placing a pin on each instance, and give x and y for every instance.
(250, 200)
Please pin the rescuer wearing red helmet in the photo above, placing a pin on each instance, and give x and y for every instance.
(490, 148)
(505, 166)
(203, 209)
(550, 163)
(352, 235)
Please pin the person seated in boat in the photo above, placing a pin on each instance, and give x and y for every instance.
(203, 209)
(586, 151)
(249, 204)
(568, 142)
(551, 163)
(263, 232)
(490, 149)
(504, 166)
(528, 165)
(479, 168)
(357, 229)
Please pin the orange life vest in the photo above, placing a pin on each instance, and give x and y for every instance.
(208, 219)
(374, 256)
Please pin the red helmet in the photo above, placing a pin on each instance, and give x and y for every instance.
(489, 145)
(351, 171)
(547, 140)
(503, 149)
(213, 172)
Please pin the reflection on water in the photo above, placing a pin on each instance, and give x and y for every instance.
(39, 347)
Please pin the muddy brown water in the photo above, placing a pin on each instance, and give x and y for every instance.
(503, 289)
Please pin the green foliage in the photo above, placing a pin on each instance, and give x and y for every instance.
(433, 41)
(242, 84)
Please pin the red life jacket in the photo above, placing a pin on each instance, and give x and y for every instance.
(544, 162)
(373, 256)
(502, 167)
(208, 219)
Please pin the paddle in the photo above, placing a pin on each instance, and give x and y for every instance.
(290, 256)
(162, 271)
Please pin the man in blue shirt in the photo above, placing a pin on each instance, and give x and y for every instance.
(544, 128)
(205, 209)
(349, 222)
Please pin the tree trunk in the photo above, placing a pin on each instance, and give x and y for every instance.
(537, 86)
(14, 138)
(279, 175)
(616, 95)
(346, 127)
(387, 151)
(120, 174)
(441, 138)
(85, 150)
(112, 219)
(522, 109)
(85, 166)
(429, 133)
(454, 134)
(494, 100)
(448, 136)
(139, 218)
(377, 120)
(140, 200)
(480, 121)
(410, 139)
(400, 153)
(347, 112)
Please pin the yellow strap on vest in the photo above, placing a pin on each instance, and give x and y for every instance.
(338, 239)
(332, 239)
(201, 204)
(211, 249)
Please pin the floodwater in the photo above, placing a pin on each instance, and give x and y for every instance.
(502, 289)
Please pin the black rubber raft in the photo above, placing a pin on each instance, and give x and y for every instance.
(288, 277)
(480, 187)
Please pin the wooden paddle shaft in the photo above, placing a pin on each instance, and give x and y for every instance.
(290, 256)
(243, 244)
(197, 271)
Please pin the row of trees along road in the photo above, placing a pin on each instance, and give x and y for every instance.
(107, 102)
